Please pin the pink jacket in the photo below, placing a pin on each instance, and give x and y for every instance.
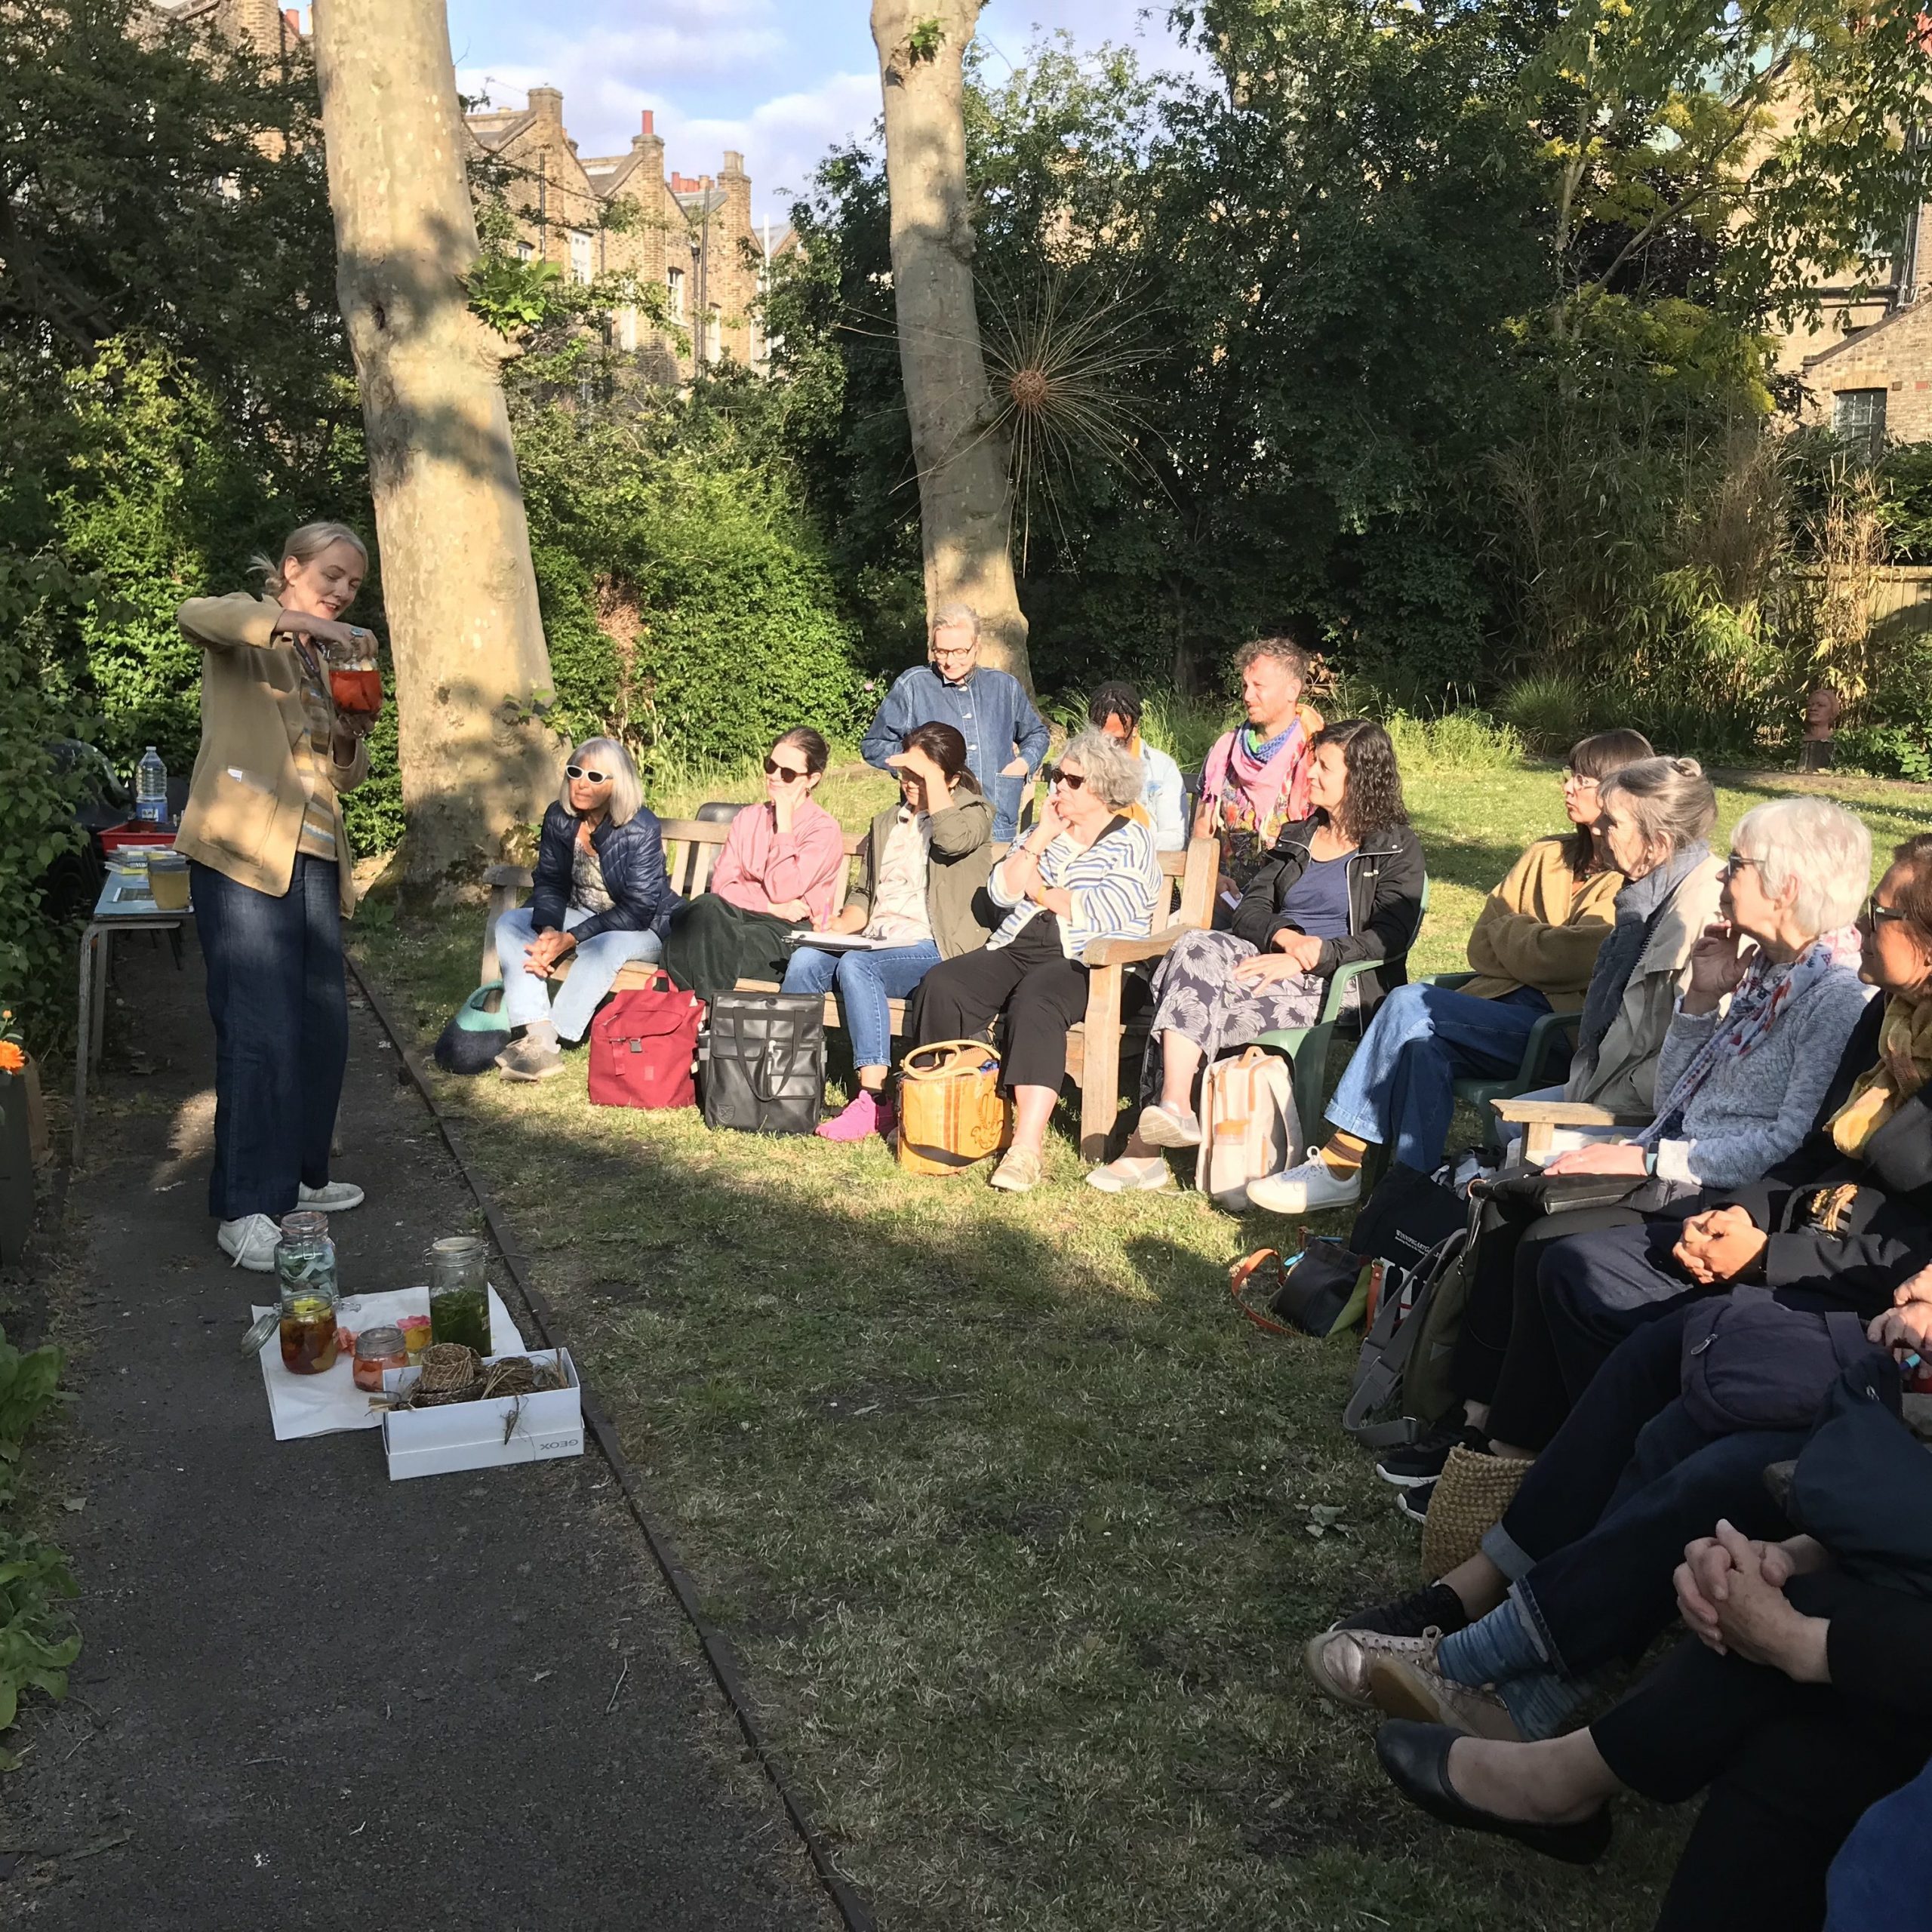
(757, 869)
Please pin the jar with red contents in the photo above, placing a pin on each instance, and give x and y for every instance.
(376, 1351)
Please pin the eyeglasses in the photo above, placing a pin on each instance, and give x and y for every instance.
(791, 774)
(1072, 780)
(589, 777)
(1582, 780)
(1876, 915)
(1735, 864)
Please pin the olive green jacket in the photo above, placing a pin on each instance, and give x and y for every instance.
(960, 856)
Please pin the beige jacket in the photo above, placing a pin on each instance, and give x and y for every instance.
(1625, 1078)
(245, 801)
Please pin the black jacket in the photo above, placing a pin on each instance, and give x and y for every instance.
(1886, 1232)
(1385, 880)
(633, 857)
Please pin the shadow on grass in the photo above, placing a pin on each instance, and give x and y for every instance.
(1009, 1511)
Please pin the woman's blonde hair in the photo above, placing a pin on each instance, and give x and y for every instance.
(606, 755)
(1674, 804)
(305, 544)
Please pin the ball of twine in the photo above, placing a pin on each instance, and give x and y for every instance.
(1029, 388)
(449, 1369)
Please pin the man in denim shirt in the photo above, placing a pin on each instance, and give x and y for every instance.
(1006, 738)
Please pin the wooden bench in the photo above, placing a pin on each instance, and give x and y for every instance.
(691, 847)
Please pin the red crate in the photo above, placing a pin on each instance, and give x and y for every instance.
(133, 832)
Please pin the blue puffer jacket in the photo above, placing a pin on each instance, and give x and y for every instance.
(633, 857)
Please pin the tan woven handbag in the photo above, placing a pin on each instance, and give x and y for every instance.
(1470, 1496)
(951, 1111)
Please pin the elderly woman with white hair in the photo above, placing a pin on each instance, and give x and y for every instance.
(1083, 873)
(1774, 993)
(601, 897)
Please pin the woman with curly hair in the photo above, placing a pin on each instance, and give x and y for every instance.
(1342, 885)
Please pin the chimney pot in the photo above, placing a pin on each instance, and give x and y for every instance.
(734, 161)
(650, 121)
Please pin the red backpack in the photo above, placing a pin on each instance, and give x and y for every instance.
(643, 1046)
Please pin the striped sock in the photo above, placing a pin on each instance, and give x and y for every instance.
(1343, 1154)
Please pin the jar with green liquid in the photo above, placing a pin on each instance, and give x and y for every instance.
(459, 1292)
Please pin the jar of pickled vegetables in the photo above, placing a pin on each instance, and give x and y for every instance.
(306, 1282)
(459, 1292)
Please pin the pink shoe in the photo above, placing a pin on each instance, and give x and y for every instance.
(857, 1118)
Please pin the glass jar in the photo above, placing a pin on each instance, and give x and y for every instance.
(459, 1292)
(377, 1350)
(305, 1276)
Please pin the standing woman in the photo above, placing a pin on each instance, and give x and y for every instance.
(778, 871)
(270, 866)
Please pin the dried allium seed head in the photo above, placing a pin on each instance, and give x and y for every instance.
(1029, 388)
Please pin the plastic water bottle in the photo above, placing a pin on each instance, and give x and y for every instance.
(151, 788)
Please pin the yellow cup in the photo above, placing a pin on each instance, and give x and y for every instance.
(167, 880)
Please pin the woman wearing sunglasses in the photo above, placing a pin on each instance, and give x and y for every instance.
(1084, 872)
(601, 898)
(779, 870)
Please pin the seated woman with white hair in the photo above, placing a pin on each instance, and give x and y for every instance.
(601, 897)
(1774, 994)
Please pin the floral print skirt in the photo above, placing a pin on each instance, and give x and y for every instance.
(1196, 994)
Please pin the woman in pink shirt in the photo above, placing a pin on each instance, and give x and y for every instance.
(778, 871)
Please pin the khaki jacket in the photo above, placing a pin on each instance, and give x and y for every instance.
(1541, 928)
(1625, 1078)
(960, 856)
(245, 800)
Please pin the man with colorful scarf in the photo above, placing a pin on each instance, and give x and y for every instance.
(1256, 779)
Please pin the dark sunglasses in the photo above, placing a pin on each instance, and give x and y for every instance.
(1072, 780)
(791, 775)
(585, 774)
(1876, 915)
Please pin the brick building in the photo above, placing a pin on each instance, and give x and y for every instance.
(692, 237)
(1874, 384)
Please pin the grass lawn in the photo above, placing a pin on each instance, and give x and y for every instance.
(1010, 1513)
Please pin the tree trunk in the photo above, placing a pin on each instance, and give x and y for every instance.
(457, 584)
(965, 495)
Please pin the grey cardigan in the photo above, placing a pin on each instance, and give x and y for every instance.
(1752, 1113)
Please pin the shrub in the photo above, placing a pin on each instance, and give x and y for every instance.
(1551, 709)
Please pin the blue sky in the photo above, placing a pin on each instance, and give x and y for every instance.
(781, 80)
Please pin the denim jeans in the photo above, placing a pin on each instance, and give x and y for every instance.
(1595, 1533)
(281, 1033)
(865, 982)
(595, 964)
(1398, 1090)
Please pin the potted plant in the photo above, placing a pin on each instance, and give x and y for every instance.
(16, 1081)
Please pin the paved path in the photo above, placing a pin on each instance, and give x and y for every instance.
(313, 1698)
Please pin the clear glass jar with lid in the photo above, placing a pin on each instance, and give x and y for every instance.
(306, 1282)
(460, 1291)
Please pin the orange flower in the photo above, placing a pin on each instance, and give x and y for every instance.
(12, 1060)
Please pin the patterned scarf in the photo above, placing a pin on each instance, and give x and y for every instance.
(1905, 1065)
(1766, 989)
(1258, 786)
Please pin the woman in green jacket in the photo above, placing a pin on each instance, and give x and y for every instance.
(918, 900)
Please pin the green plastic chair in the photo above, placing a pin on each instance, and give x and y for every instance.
(1530, 1070)
(1307, 1047)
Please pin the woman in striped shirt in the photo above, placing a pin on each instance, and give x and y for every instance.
(1083, 873)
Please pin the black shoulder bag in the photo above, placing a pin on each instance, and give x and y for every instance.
(762, 1065)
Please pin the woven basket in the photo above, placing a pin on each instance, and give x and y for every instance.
(1470, 1496)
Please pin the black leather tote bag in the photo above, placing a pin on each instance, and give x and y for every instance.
(763, 1063)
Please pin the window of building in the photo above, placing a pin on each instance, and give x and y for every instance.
(524, 252)
(713, 334)
(1858, 421)
(674, 280)
(579, 256)
(627, 329)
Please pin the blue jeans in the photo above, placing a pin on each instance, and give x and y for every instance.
(281, 1033)
(1399, 1090)
(595, 964)
(865, 982)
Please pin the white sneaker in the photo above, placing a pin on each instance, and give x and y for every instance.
(1306, 1189)
(1163, 1126)
(333, 1197)
(1126, 1175)
(251, 1241)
